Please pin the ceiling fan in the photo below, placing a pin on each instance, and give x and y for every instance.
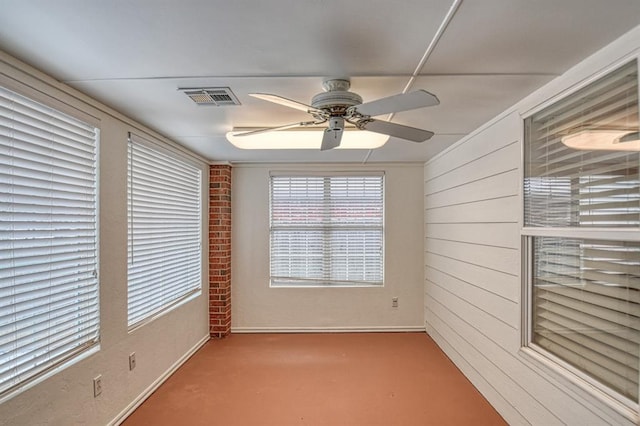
(337, 106)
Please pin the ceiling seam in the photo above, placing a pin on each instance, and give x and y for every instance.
(429, 50)
(314, 76)
(436, 38)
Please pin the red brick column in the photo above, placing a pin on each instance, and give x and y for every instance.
(219, 250)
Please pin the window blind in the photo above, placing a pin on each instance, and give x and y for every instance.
(585, 283)
(571, 187)
(164, 235)
(587, 308)
(326, 230)
(49, 308)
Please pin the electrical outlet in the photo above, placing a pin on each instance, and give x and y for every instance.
(394, 302)
(132, 361)
(97, 385)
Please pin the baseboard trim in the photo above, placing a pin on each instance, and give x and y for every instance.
(156, 384)
(374, 329)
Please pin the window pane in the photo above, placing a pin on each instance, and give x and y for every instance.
(356, 256)
(326, 230)
(164, 231)
(569, 185)
(586, 307)
(297, 255)
(48, 239)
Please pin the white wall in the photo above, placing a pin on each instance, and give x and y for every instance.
(66, 398)
(256, 307)
(473, 210)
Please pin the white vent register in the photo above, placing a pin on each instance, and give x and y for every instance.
(213, 96)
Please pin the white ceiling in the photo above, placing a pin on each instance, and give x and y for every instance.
(482, 56)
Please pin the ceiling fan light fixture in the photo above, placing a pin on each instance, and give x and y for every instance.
(309, 138)
(603, 140)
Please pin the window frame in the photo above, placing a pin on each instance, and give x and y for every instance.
(193, 291)
(532, 352)
(92, 346)
(329, 174)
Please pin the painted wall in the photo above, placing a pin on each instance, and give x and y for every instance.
(256, 307)
(473, 210)
(67, 397)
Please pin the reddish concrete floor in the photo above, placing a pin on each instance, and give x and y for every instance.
(317, 379)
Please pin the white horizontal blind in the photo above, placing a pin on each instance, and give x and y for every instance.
(164, 231)
(326, 230)
(49, 308)
(570, 187)
(587, 308)
(586, 290)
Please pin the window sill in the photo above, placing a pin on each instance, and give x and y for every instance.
(316, 286)
(49, 373)
(568, 378)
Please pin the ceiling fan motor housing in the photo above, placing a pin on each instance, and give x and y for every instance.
(337, 98)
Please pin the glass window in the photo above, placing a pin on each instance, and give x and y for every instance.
(49, 309)
(326, 230)
(165, 253)
(582, 224)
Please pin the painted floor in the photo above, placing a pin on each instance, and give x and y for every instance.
(349, 379)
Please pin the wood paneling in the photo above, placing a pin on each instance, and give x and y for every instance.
(497, 258)
(488, 165)
(499, 283)
(504, 235)
(490, 139)
(495, 210)
(492, 304)
(500, 185)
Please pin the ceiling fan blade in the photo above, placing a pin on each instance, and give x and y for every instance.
(398, 103)
(331, 139)
(285, 102)
(274, 129)
(398, 130)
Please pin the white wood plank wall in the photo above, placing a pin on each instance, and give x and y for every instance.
(472, 280)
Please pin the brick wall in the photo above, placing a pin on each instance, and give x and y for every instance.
(219, 250)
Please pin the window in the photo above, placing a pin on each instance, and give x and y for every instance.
(326, 230)
(49, 311)
(164, 265)
(582, 230)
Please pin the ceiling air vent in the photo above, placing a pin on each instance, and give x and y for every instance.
(217, 96)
